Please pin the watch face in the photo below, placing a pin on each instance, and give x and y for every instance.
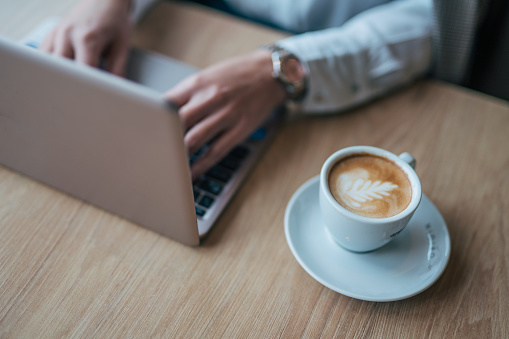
(293, 69)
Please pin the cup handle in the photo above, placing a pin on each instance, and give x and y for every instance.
(408, 158)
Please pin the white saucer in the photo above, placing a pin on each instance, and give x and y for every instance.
(403, 268)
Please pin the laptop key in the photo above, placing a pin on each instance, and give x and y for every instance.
(230, 163)
(199, 212)
(206, 201)
(220, 174)
(211, 187)
(240, 152)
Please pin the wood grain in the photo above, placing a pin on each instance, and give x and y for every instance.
(68, 269)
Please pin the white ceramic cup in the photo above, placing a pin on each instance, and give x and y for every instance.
(358, 233)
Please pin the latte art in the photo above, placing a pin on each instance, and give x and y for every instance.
(370, 186)
(355, 189)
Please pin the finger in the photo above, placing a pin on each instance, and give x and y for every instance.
(197, 108)
(203, 102)
(204, 131)
(217, 151)
(47, 44)
(182, 92)
(87, 54)
(63, 46)
(117, 58)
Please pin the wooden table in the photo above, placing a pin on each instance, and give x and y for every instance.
(68, 269)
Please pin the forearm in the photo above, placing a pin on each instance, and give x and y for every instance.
(371, 54)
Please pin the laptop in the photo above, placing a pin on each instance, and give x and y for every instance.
(114, 142)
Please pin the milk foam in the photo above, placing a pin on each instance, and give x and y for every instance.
(370, 186)
(356, 189)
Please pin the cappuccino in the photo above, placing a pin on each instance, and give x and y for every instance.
(370, 185)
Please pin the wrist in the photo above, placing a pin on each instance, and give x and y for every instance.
(265, 67)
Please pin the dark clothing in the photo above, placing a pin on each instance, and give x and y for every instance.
(490, 61)
(471, 44)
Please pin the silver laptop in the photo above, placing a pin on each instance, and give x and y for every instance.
(112, 142)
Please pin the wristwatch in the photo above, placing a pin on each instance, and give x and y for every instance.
(290, 71)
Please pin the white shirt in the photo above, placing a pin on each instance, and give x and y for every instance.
(356, 50)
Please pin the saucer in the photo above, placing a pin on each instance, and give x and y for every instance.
(406, 266)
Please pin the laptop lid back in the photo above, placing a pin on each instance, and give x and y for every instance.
(98, 137)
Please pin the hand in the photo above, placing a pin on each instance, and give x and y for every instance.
(94, 29)
(226, 101)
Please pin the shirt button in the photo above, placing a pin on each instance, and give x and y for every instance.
(354, 88)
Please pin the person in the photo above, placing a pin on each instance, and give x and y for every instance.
(343, 54)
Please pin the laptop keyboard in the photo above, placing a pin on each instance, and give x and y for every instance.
(207, 189)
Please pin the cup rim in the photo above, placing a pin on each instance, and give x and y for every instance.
(410, 172)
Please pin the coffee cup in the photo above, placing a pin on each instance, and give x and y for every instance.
(367, 196)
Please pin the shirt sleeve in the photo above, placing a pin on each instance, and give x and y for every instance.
(378, 50)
